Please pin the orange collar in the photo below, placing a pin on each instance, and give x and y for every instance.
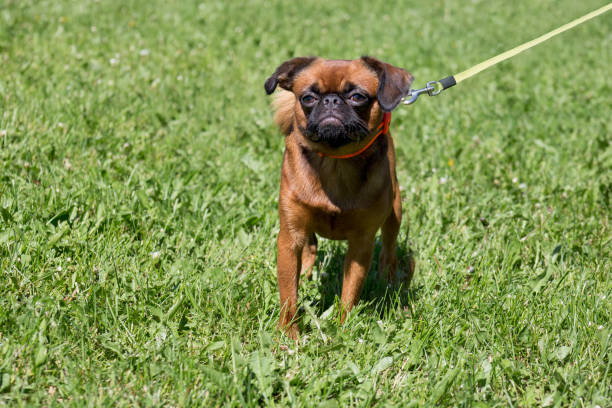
(383, 129)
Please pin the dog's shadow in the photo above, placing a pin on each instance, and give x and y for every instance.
(377, 295)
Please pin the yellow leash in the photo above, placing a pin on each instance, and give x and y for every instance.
(435, 87)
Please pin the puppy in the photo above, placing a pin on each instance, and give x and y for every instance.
(338, 174)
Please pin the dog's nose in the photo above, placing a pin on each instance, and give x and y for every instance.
(331, 99)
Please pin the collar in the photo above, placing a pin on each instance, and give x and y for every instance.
(383, 129)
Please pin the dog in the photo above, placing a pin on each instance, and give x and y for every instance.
(338, 175)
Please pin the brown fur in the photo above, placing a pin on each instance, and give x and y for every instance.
(343, 199)
(284, 105)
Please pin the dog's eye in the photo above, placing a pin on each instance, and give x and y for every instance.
(358, 97)
(308, 99)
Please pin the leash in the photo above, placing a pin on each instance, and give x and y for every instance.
(433, 88)
(383, 129)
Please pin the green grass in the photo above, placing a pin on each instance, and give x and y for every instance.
(139, 173)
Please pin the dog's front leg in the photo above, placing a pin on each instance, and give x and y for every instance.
(288, 275)
(356, 267)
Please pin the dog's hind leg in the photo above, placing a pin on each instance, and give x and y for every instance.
(309, 255)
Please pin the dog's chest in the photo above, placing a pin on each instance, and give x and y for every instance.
(350, 214)
(336, 200)
(348, 223)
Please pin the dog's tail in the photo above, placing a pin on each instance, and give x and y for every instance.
(284, 104)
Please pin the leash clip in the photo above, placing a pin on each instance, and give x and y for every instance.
(432, 88)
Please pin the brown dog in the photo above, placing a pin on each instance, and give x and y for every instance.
(338, 174)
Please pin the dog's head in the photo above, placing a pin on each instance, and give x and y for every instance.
(337, 102)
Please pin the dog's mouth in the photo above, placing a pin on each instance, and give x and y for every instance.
(332, 131)
(330, 121)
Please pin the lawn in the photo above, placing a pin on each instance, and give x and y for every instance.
(139, 174)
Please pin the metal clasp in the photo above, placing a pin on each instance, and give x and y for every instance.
(432, 88)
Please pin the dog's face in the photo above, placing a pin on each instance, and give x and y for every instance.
(337, 101)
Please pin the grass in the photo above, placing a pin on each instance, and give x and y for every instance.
(139, 173)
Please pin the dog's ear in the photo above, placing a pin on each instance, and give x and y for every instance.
(286, 73)
(393, 83)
